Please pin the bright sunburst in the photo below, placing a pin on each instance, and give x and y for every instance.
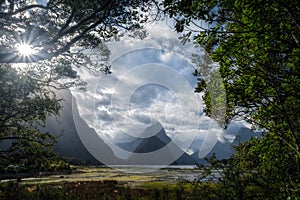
(25, 49)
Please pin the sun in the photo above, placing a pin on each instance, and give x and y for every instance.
(25, 49)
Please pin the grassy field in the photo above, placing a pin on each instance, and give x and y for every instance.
(102, 183)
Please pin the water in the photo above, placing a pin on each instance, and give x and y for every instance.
(144, 168)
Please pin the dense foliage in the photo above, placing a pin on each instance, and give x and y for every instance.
(256, 44)
(24, 106)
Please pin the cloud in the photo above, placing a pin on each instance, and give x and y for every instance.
(151, 81)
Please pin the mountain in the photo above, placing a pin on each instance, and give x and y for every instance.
(155, 143)
(68, 145)
(145, 145)
(226, 149)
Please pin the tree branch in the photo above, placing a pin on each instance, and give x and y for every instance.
(7, 14)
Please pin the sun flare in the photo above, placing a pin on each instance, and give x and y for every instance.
(25, 49)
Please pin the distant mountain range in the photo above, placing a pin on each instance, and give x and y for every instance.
(71, 147)
(223, 150)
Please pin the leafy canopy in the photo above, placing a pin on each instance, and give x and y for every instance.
(257, 45)
(54, 27)
(24, 106)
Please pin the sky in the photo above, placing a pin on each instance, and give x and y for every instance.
(151, 88)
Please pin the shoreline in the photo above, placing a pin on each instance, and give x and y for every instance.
(91, 173)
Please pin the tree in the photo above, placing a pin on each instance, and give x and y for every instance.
(24, 106)
(256, 44)
(66, 35)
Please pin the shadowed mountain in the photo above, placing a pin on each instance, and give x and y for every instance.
(69, 145)
(145, 145)
(226, 149)
(155, 143)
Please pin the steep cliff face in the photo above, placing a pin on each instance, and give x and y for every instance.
(69, 145)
